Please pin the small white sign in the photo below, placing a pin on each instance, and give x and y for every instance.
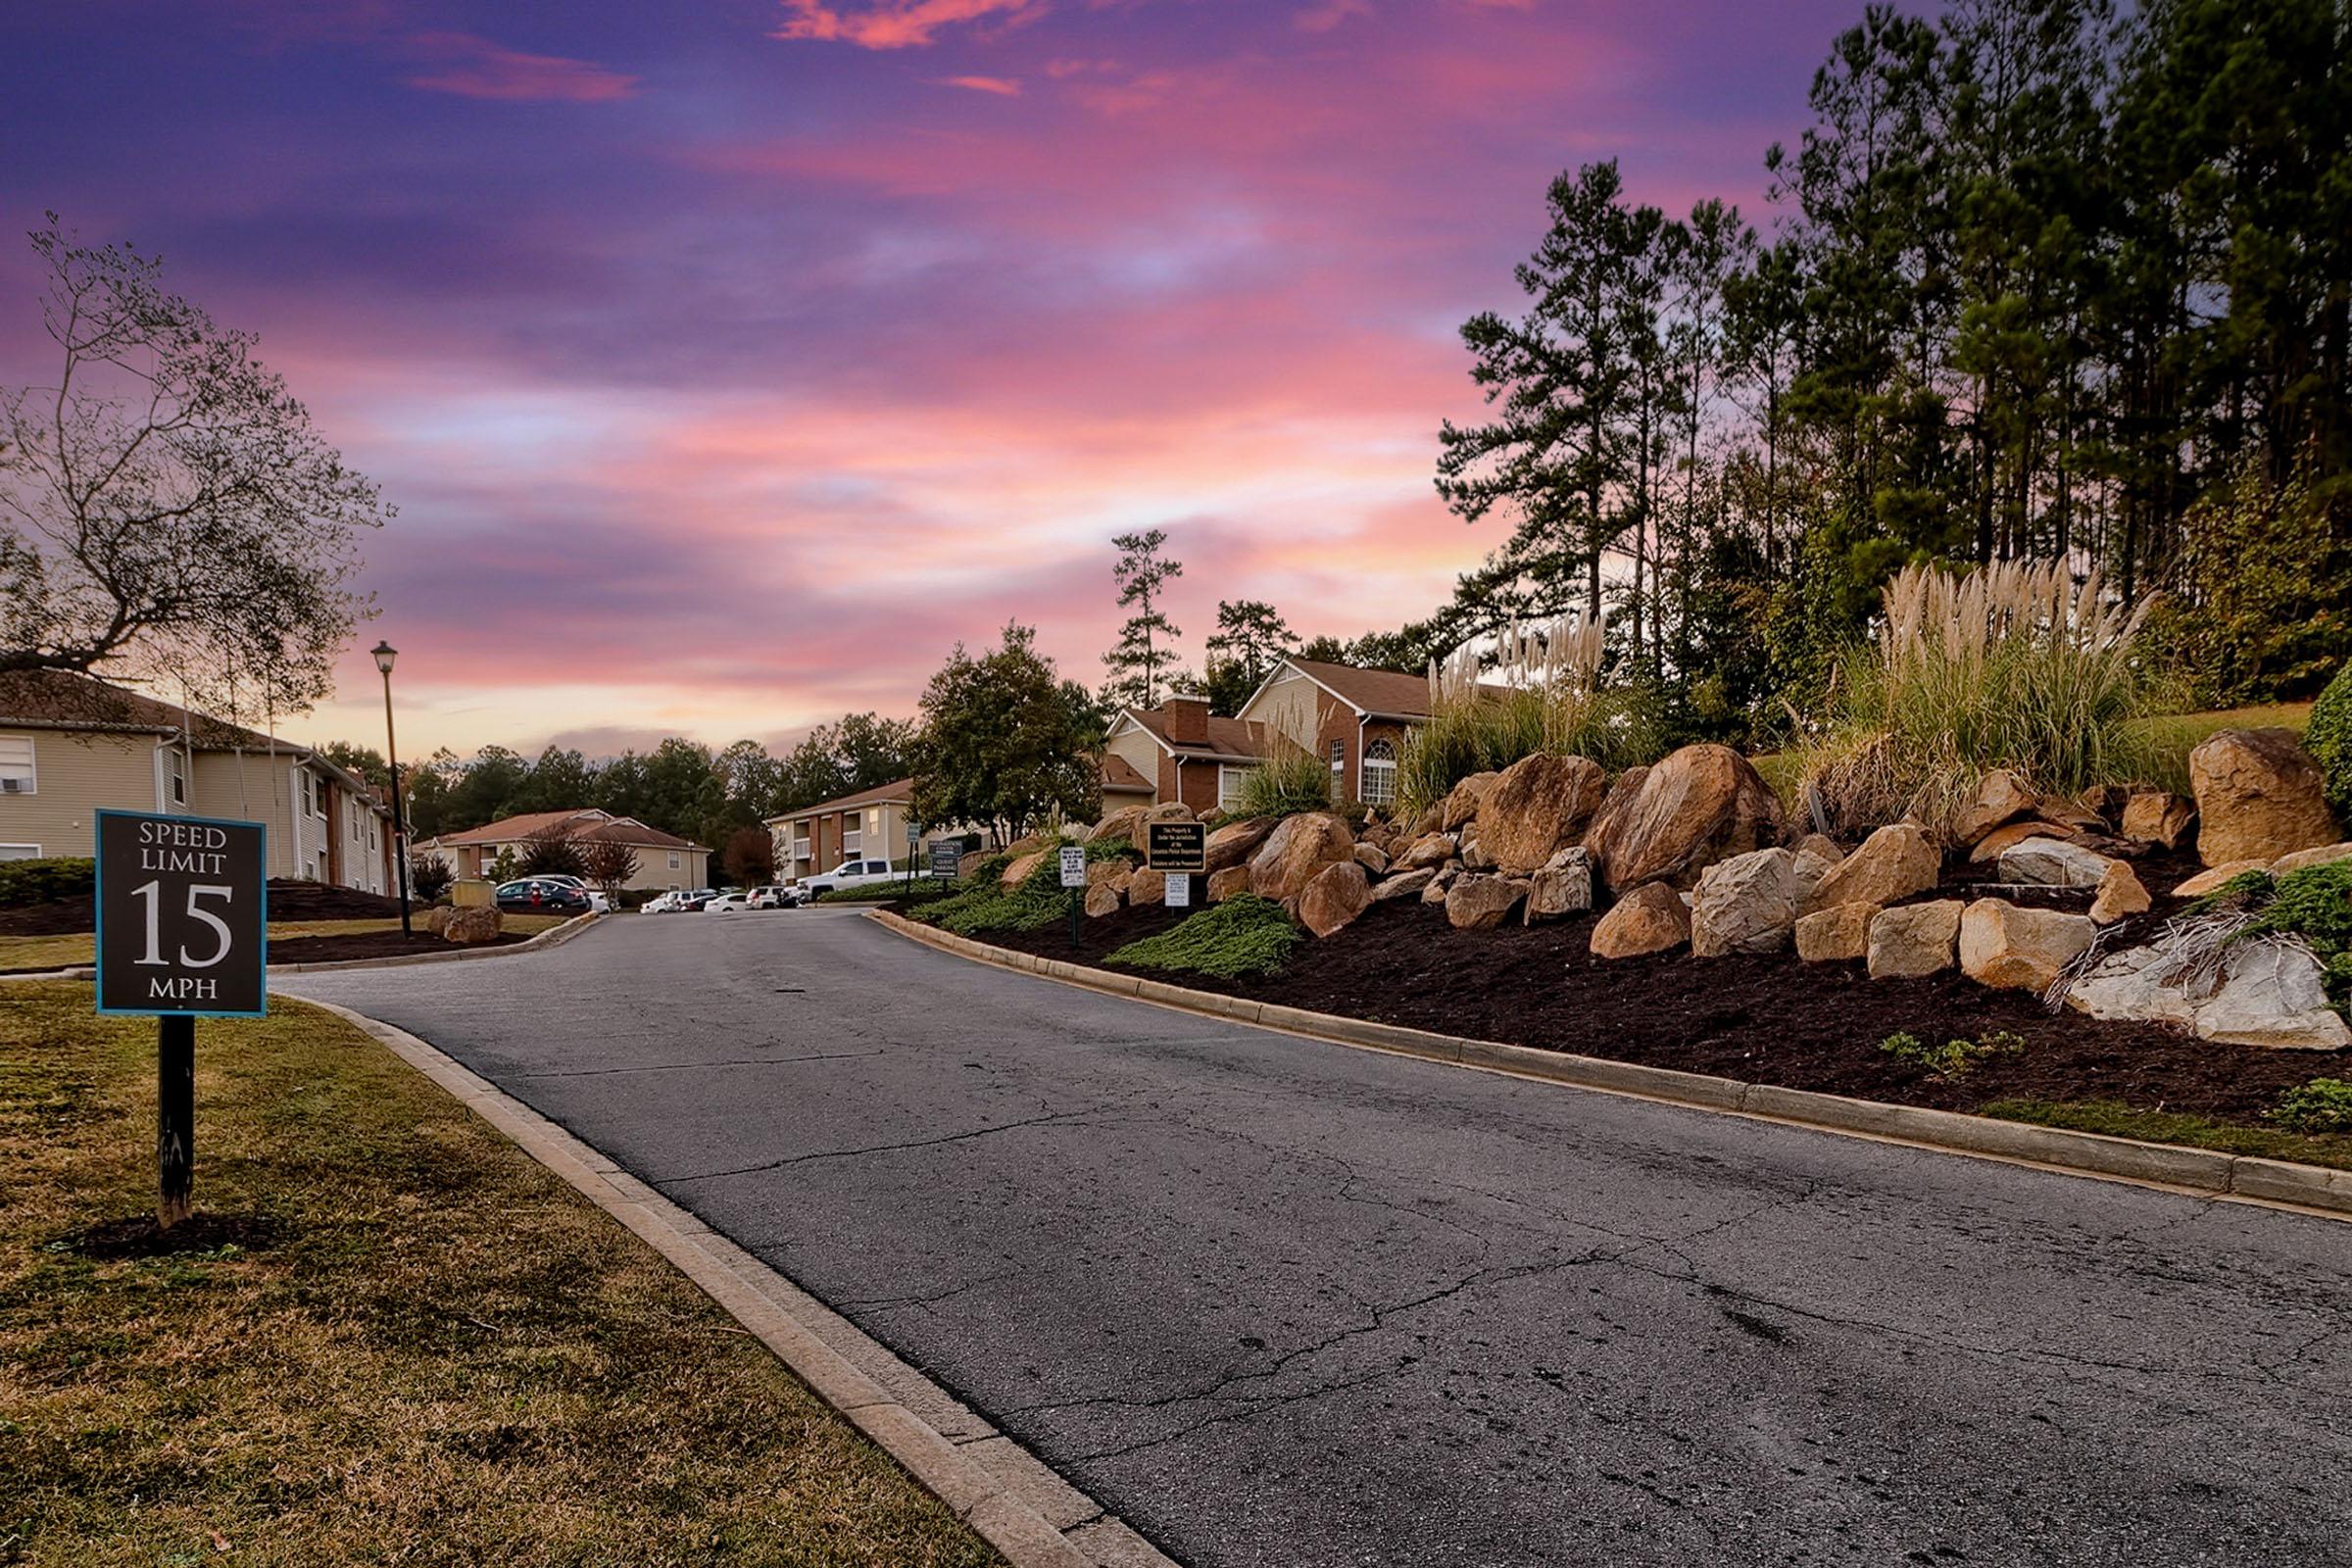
(1073, 866)
(1180, 891)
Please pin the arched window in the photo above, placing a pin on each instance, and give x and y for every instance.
(1380, 773)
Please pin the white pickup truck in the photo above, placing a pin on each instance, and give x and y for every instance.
(851, 874)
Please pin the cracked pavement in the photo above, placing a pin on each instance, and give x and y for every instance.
(1276, 1302)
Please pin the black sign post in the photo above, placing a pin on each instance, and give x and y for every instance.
(183, 930)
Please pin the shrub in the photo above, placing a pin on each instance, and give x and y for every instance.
(1954, 1057)
(982, 903)
(2328, 740)
(1244, 936)
(2322, 1105)
(1292, 780)
(2011, 666)
(551, 852)
(429, 877)
(45, 881)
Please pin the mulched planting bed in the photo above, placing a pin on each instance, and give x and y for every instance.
(376, 945)
(289, 900)
(1769, 1020)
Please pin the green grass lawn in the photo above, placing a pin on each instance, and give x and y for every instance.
(79, 947)
(2172, 1127)
(426, 1350)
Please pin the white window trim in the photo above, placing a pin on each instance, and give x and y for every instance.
(673, 860)
(1229, 784)
(34, 848)
(33, 764)
(1382, 770)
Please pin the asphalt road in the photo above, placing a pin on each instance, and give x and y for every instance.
(1282, 1302)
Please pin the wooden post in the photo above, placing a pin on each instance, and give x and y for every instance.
(174, 1119)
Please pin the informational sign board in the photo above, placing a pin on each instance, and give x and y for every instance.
(1179, 894)
(183, 916)
(947, 858)
(1073, 866)
(914, 832)
(1177, 846)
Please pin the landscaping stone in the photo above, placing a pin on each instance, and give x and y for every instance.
(1370, 857)
(1431, 850)
(1299, 847)
(2129, 986)
(2210, 879)
(1404, 885)
(1473, 855)
(1103, 897)
(1894, 863)
(2053, 864)
(2121, 894)
(2272, 995)
(1701, 804)
(1168, 812)
(1017, 869)
(2001, 798)
(1223, 885)
(1649, 919)
(2156, 816)
(2258, 796)
(2013, 948)
(1127, 824)
(969, 861)
(2301, 859)
(1914, 941)
(1746, 903)
(436, 922)
(1337, 895)
(1480, 903)
(1434, 891)
(1997, 843)
(1114, 873)
(1540, 805)
(1235, 842)
(2074, 817)
(1563, 885)
(1147, 888)
(473, 925)
(1462, 804)
(1841, 932)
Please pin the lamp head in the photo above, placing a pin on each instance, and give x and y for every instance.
(384, 653)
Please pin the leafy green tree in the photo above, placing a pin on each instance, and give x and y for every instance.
(1145, 657)
(1249, 641)
(1006, 741)
(551, 852)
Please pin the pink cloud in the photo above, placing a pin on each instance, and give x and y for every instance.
(1329, 14)
(476, 68)
(1002, 87)
(896, 24)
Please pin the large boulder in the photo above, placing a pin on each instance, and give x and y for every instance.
(1104, 898)
(2121, 894)
(2001, 797)
(1223, 885)
(1430, 851)
(1649, 919)
(2302, 860)
(1440, 881)
(2052, 863)
(1145, 888)
(2258, 796)
(1404, 885)
(474, 925)
(1462, 804)
(1894, 863)
(1127, 824)
(2154, 816)
(1476, 902)
(1372, 859)
(1016, 870)
(1562, 885)
(2272, 995)
(2212, 878)
(1746, 903)
(2013, 948)
(1114, 873)
(1168, 812)
(1914, 941)
(1701, 804)
(1235, 842)
(1838, 933)
(1333, 898)
(1299, 847)
(2001, 839)
(2134, 986)
(1539, 806)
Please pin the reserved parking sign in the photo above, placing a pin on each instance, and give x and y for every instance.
(183, 916)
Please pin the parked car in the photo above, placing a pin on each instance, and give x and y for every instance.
(692, 901)
(533, 895)
(597, 902)
(727, 903)
(852, 874)
(775, 895)
(661, 902)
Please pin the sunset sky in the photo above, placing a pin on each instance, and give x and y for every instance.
(730, 361)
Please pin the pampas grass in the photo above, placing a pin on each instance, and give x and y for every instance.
(2011, 666)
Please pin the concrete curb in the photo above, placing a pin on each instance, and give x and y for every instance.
(553, 935)
(2209, 1172)
(995, 1485)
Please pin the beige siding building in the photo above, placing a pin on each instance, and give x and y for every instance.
(664, 861)
(869, 825)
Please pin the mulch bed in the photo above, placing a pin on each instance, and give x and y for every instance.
(289, 900)
(376, 945)
(1770, 1020)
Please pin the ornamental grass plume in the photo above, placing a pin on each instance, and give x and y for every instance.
(2011, 666)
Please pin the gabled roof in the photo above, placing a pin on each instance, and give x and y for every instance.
(1388, 692)
(1118, 774)
(57, 699)
(897, 791)
(589, 824)
(1230, 740)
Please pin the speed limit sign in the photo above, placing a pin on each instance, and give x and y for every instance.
(182, 915)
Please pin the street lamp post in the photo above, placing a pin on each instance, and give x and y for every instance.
(385, 653)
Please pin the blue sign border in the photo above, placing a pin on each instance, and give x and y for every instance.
(98, 882)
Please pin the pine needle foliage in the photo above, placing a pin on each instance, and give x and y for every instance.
(1243, 937)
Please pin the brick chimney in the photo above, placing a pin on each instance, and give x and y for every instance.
(1186, 719)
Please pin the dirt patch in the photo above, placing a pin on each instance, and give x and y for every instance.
(376, 945)
(1770, 1020)
(138, 1236)
(289, 900)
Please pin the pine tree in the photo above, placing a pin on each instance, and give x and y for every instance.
(1144, 659)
